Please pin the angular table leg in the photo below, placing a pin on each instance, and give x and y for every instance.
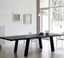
(51, 43)
(16, 46)
(0, 46)
(40, 43)
(27, 47)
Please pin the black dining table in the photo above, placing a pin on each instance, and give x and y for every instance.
(16, 38)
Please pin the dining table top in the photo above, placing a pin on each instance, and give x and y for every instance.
(31, 36)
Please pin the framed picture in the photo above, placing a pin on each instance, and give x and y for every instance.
(27, 19)
(16, 17)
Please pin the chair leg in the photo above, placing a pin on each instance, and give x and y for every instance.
(61, 43)
(56, 42)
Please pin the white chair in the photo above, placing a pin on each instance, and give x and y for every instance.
(61, 39)
(32, 40)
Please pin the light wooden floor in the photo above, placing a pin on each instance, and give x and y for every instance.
(34, 51)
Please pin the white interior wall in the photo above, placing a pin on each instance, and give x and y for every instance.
(2, 33)
(8, 7)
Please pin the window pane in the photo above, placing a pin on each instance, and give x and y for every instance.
(44, 22)
(57, 19)
(56, 14)
(44, 3)
(56, 3)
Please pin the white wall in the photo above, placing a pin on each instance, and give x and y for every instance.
(8, 7)
(2, 34)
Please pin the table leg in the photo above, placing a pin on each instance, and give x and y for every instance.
(51, 43)
(16, 46)
(40, 43)
(0, 47)
(27, 47)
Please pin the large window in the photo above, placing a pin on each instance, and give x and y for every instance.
(55, 14)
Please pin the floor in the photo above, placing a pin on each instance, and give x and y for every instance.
(34, 52)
